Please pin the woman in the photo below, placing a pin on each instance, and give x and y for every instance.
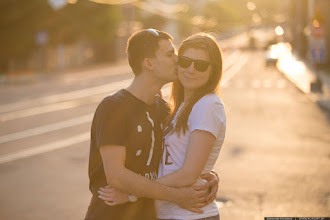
(197, 124)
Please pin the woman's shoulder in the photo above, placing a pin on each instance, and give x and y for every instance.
(211, 98)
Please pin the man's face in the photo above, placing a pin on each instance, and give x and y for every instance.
(165, 62)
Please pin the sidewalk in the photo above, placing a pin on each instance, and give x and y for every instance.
(305, 77)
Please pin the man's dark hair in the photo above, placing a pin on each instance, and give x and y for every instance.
(144, 44)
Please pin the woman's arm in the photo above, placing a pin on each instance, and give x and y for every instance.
(198, 151)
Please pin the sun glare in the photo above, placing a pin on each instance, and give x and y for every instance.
(279, 31)
(251, 6)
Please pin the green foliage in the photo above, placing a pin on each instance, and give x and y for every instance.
(20, 20)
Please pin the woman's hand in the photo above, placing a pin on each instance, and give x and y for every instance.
(112, 196)
(192, 198)
(212, 184)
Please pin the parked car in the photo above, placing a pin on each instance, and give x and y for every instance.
(272, 54)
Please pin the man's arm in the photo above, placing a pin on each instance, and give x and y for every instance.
(118, 176)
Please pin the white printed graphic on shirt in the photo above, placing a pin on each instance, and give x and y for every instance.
(167, 155)
(151, 175)
(152, 139)
(138, 153)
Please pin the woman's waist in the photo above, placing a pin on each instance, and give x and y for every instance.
(169, 210)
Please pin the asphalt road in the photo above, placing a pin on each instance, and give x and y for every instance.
(275, 160)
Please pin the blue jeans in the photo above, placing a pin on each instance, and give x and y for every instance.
(217, 217)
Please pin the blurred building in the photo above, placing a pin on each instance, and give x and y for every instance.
(310, 27)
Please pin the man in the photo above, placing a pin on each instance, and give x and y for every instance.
(126, 135)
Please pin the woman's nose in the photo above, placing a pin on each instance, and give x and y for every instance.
(191, 67)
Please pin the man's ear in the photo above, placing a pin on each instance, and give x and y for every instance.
(147, 63)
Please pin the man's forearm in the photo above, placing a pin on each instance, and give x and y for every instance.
(178, 178)
(118, 176)
(140, 186)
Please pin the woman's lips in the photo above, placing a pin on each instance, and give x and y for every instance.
(188, 77)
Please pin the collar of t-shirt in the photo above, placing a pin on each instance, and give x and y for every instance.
(137, 100)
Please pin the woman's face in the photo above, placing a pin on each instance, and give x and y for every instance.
(197, 73)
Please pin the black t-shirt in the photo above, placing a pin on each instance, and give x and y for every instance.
(122, 119)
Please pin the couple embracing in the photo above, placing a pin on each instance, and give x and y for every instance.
(152, 160)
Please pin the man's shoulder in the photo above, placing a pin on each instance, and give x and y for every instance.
(111, 104)
(161, 103)
(114, 99)
(119, 96)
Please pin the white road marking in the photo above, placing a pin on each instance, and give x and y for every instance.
(110, 87)
(230, 60)
(256, 84)
(45, 148)
(68, 104)
(47, 128)
(40, 110)
(229, 74)
(267, 83)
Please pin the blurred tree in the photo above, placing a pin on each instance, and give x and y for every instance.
(184, 23)
(225, 13)
(152, 20)
(21, 20)
(233, 13)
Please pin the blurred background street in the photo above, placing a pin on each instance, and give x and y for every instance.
(60, 58)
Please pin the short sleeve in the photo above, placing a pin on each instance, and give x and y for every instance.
(110, 124)
(208, 114)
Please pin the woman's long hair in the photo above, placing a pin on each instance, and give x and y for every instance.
(208, 43)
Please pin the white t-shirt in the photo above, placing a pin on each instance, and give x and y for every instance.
(208, 114)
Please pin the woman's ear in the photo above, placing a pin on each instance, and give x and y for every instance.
(147, 63)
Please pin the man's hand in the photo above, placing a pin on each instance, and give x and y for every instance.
(192, 198)
(212, 184)
(112, 196)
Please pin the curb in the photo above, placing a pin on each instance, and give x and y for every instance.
(324, 100)
(318, 82)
